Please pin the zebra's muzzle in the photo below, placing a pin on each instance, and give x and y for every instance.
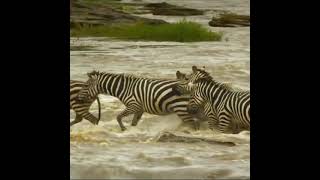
(83, 98)
(192, 109)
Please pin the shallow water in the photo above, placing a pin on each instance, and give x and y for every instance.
(104, 151)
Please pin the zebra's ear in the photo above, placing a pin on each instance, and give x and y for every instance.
(89, 75)
(194, 69)
(178, 74)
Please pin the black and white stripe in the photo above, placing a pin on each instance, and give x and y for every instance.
(138, 94)
(205, 112)
(230, 108)
(81, 108)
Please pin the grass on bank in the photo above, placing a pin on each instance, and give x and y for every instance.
(182, 31)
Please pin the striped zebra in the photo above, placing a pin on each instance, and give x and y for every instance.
(230, 108)
(81, 108)
(205, 113)
(138, 94)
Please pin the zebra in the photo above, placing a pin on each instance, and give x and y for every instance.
(230, 108)
(81, 108)
(138, 94)
(205, 113)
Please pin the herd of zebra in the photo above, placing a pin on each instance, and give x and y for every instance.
(194, 97)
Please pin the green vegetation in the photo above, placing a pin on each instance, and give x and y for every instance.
(182, 31)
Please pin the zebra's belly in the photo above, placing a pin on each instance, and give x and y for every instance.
(237, 126)
(162, 104)
(157, 111)
(77, 106)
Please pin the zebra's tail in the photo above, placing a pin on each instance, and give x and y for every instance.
(99, 106)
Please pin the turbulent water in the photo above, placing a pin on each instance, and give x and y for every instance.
(104, 151)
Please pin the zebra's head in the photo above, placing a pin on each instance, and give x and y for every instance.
(197, 75)
(91, 89)
(187, 82)
(181, 76)
(181, 88)
(196, 101)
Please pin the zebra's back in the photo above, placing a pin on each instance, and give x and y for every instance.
(158, 97)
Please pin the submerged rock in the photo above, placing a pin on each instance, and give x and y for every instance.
(230, 20)
(170, 137)
(171, 10)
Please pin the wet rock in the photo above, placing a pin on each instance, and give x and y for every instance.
(81, 48)
(171, 10)
(102, 14)
(218, 174)
(187, 132)
(230, 20)
(170, 137)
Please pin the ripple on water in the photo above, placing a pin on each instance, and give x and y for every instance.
(162, 161)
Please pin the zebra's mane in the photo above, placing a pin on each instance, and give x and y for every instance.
(125, 75)
(226, 86)
(208, 78)
(204, 72)
(93, 73)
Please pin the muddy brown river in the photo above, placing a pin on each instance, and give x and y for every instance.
(105, 152)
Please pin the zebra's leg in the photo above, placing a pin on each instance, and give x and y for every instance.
(91, 118)
(225, 120)
(124, 113)
(196, 123)
(187, 117)
(198, 118)
(213, 123)
(224, 124)
(136, 118)
(76, 120)
(237, 128)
